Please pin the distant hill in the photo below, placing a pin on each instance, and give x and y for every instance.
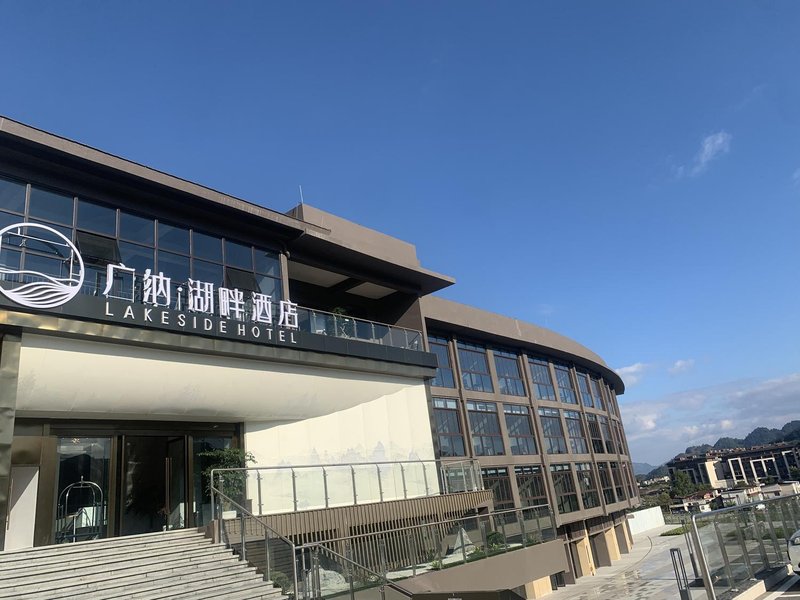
(642, 468)
(758, 437)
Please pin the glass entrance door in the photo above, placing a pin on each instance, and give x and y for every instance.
(153, 484)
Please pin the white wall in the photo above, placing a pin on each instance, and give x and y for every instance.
(71, 378)
(645, 520)
(394, 427)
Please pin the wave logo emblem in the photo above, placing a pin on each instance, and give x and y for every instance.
(47, 249)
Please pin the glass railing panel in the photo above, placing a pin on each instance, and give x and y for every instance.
(728, 535)
(417, 479)
(713, 554)
(340, 486)
(391, 481)
(277, 494)
(309, 488)
(367, 483)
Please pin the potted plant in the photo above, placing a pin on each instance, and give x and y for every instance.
(234, 483)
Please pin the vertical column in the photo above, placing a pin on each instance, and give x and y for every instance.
(9, 372)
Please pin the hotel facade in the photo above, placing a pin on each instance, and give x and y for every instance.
(148, 322)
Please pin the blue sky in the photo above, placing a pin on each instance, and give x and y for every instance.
(635, 167)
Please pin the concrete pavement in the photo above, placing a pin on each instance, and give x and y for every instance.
(644, 574)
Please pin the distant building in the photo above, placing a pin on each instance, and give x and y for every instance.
(723, 469)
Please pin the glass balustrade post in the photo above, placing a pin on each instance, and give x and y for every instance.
(785, 519)
(353, 476)
(484, 535)
(380, 483)
(461, 541)
(772, 534)
(425, 478)
(267, 559)
(260, 504)
(294, 489)
(464, 478)
(523, 533)
(349, 570)
(759, 535)
(325, 486)
(242, 536)
(317, 583)
(403, 478)
(304, 573)
(743, 546)
(725, 562)
(503, 532)
(412, 551)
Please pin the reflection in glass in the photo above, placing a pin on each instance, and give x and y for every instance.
(174, 238)
(206, 246)
(268, 262)
(82, 501)
(50, 206)
(238, 255)
(12, 195)
(98, 218)
(136, 229)
(207, 271)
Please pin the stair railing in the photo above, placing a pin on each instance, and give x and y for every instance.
(254, 541)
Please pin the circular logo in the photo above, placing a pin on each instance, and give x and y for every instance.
(60, 274)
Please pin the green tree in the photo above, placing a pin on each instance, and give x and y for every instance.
(682, 485)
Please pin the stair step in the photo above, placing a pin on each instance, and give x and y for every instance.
(173, 565)
(119, 565)
(80, 558)
(55, 582)
(117, 543)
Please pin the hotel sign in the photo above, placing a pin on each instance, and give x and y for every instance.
(200, 307)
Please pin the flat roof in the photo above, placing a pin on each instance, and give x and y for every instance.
(308, 232)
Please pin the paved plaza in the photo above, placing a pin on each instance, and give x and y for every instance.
(644, 574)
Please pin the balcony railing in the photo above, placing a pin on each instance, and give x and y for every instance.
(282, 489)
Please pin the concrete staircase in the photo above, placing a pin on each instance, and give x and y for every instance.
(173, 564)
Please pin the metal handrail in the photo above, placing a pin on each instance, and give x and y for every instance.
(215, 492)
(384, 579)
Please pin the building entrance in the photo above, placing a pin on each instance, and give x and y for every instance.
(153, 484)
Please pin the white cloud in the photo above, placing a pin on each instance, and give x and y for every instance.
(681, 366)
(712, 147)
(660, 428)
(632, 374)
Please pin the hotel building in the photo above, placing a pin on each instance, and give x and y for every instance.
(147, 321)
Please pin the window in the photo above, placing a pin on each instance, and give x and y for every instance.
(542, 381)
(594, 385)
(553, 433)
(583, 388)
(564, 488)
(173, 238)
(607, 435)
(206, 247)
(97, 249)
(136, 229)
(520, 433)
(497, 480)
(577, 438)
(485, 428)
(594, 434)
(448, 427)
(241, 280)
(238, 255)
(508, 375)
(617, 478)
(444, 372)
(605, 483)
(97, 218)
(12, 195)
(618, 437)
(50, 206)
(474, 368)
(531, 485)
(588, 485)
(565, 390)
(627, 470)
